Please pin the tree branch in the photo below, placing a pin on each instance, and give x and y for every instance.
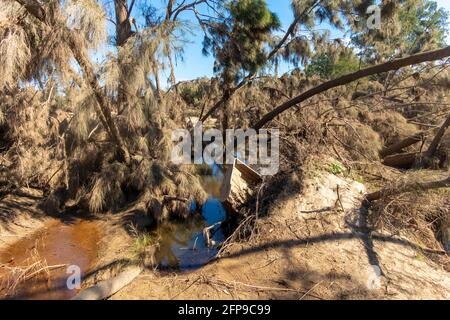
(408, 188)
(182, 8)
(385, 67)
(34, 8)
(271, 54)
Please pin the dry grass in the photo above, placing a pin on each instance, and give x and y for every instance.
(392, 126)
(421, 215)
(14, 277)
(88, 18)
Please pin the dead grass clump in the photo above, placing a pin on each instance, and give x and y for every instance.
(14, 51)
(107, 190)
(30, 138)
(419, 215)
(360, 141)
(392, 127)
(15, 276)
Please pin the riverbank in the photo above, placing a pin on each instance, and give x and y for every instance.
(313, 244)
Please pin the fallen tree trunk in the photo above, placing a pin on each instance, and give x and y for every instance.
(402, 160)
(408, 188)
(385, 67)
(397, 147)
(109, 287)
(406, 160)
(437, 138)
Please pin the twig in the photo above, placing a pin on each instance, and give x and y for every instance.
(310, 290)
(187, 288)
(261, 288)
(207, 235)
(338, 200)
(46, 269)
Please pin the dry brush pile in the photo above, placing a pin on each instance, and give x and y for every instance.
(64, 133)
(359, 125)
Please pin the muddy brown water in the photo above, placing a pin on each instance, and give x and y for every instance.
(181, 247)
(69, 243)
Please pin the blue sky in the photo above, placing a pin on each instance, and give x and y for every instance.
(195, 64)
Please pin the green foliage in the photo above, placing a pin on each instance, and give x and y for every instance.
(326, 67)
(237, 42)
(254, 14)
(143, 241)
(424, 26)
(336, 168)
(320, 65)
(194, 92)
(407, 27)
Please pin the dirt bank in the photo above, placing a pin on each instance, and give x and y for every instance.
(313, 246)
(20, 216)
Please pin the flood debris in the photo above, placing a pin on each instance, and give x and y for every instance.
(239, 185)
(107, 288)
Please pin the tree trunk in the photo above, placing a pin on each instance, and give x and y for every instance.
(408, 188)
(123, 25)
(157, 83)
(402, 160)
(397, 147)
(102, 108)
(437, 138)
(385, 67)
(123, 33)
(172, 78)
(225, 110)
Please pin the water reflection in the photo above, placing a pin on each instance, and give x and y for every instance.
(182, 244)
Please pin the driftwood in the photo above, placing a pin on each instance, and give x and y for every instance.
(397, 147)
(109, 287)
(408, 188)
(238, 185)
(381, 68)
(207, 234)
(402, 160)
(437, 138)
(406, 160)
